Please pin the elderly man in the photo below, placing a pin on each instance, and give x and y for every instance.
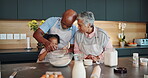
(90, 40)
(62, 26)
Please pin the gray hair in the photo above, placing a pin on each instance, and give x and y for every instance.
(87, 17)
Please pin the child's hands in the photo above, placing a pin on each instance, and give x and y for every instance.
(50, 46)
(66, 49)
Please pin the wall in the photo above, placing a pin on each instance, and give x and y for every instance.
(15, 27)
(132, 31)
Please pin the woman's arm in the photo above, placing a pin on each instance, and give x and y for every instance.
(76, 48)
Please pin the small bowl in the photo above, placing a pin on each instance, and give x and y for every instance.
(143, 61)
(88, 61)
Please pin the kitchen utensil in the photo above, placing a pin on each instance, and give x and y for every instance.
(143, 61)
(88, 61)
(96, 72)
(141, 41)
(13, 75)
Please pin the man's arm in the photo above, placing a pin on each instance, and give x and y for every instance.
(38, 35)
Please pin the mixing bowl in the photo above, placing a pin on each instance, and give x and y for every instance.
(60, 60)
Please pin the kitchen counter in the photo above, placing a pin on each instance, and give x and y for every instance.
(17, 50)
(41, 68)
(130, 47)
(22, 55)
(36, 50)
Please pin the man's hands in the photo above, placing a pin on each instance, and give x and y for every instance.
(50, 46)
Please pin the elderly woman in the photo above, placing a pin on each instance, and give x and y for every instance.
(90, 40)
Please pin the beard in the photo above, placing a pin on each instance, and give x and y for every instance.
(63, 28)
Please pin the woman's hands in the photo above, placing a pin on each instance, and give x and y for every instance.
(94, 58)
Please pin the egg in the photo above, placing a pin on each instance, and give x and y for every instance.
(51, 76)
(43, 76)
(60, 76)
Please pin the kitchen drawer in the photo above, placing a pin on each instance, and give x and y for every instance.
(124, 52)
(142, 52)
(18, 57)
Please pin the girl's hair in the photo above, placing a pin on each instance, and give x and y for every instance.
(48, 36)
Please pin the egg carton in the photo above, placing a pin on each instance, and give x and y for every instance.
(50, 74)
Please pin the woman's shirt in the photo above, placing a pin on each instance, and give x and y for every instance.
(102, 37)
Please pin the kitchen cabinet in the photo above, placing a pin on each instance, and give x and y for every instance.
(124, 52)
(8, 9)
(114, 10)
(97, 7)
(53, 8)
(128, 52)
(77, 5)
(144, 11)
(142, 52)
(17, 57)
(29, 9)
(132, 10)
(108, 10)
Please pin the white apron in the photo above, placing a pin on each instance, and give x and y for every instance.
(93, 49)
(64, 35)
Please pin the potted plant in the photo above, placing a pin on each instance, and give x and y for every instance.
(121, 35)
(33, 25)
(122, 40)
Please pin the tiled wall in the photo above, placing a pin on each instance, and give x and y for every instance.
(132, 31)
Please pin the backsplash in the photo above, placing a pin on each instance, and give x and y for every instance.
(132, 31)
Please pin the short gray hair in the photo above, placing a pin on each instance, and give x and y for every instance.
(87, 17)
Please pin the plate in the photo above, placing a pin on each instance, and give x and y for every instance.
(132, 44)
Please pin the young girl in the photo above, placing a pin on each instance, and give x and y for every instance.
(54, 39)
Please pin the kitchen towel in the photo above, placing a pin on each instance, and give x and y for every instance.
(96, 72)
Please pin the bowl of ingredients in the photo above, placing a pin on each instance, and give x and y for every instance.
(132, 44)
(60, 59)
(57, 53)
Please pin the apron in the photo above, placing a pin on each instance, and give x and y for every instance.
(64, 35)
(92, 49)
